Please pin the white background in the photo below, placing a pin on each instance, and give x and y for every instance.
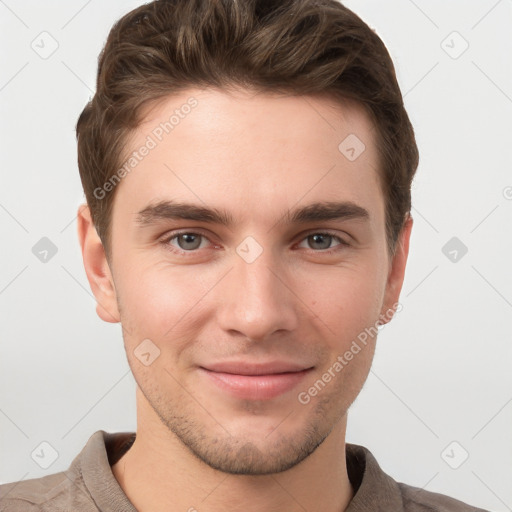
(442, 368)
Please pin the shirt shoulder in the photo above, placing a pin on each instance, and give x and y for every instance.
(58, 492)
(88, 485)
(376, 490)
(416, 499)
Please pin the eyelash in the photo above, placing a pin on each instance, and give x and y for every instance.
(166, 242)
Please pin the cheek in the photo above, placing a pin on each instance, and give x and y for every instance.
(346, 300)
(160, 302)
(348, 308)
(158, 307)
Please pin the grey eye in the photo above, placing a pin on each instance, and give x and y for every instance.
(322, 241)
(188, 241)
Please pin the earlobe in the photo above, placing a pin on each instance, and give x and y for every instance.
(396, 273)
(96, 267)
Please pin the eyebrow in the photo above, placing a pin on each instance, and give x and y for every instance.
(319, 211)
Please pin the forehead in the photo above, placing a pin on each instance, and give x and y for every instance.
(258, 152)
(230, 114)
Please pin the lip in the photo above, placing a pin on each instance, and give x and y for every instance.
(252, 369)
(255, 381)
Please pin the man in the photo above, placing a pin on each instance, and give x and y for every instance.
(228, 141)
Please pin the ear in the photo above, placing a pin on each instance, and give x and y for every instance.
(396, 273)
(97, 267)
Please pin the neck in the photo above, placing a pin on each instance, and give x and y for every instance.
(159, 473)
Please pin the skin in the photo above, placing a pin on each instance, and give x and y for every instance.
(256, 156)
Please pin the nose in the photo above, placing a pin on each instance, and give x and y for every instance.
(258, 299)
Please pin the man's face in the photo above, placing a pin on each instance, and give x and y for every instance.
(266, 289)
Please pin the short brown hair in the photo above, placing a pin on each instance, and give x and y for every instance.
(316, 47)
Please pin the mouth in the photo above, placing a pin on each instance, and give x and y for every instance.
(255, 382)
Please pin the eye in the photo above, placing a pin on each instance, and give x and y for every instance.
(322, 241)
(186, 241)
